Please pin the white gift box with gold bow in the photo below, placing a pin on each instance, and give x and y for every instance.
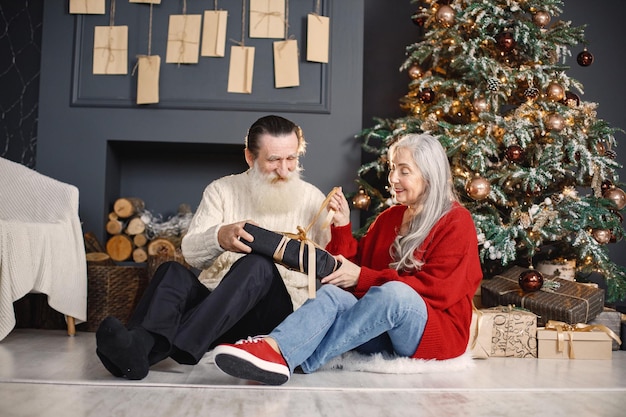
(559, 340)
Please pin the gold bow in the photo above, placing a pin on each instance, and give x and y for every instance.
(563, 328)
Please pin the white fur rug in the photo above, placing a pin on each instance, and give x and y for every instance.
(386, 364)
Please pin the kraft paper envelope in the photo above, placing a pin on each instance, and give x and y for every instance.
(148, 79)
(241, 69)
(183, 39)
(318, 36)
(110, 50)
(145, 1)
(87, 6)
(267, 19)
(286, 70)
(214, 33)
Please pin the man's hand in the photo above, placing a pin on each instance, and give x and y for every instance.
(230, 235)
(340, 205)
(346, 276)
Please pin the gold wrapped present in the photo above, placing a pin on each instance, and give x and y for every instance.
(562, 300)
(560, 340)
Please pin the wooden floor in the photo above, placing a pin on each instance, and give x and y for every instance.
(47, 373)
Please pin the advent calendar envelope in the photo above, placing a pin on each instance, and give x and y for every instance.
(267, 19)
(286, 70)
(318, 36)
(214, 33)
(110, 50)
(241, 69)
(87, 6)
(183, 39)
(149, 68)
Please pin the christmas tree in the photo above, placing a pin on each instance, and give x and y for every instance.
(531, 160)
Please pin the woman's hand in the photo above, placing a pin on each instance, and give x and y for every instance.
(346, 276)
(340, 206)
(229, 237)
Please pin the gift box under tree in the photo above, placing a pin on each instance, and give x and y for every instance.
(503, 332)
(566, 301)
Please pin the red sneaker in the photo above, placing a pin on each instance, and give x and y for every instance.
(252, 358)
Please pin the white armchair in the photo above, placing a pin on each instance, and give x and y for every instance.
(41, 244)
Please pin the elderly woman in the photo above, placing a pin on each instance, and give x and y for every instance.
(405, 288)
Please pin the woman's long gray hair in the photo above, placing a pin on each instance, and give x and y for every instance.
(436, 201)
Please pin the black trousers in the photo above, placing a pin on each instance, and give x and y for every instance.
(187, 319)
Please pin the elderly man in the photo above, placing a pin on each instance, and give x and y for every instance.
(237, 293)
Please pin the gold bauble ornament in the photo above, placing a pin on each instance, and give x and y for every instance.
(415, 72)
(602, 236)
(555, 92)
(617, 196)
(555, 122)
(446, 15)
(361, 200)
(478, 188)
(541, 19)
(481, 105)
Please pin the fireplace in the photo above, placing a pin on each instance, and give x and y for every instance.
(167, 174)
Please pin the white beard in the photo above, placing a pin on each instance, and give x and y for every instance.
(270, 195)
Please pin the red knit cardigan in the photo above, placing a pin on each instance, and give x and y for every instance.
(447, 281)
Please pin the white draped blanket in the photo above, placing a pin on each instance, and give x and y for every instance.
(41, 243)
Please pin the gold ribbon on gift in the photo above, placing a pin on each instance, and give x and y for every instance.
(562, 329)
(279, 253)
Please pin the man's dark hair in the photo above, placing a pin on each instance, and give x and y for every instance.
(275, 126)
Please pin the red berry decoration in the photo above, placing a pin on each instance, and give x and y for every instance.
(531, 280)
(585, 58)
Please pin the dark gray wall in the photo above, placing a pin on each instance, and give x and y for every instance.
(76, 134)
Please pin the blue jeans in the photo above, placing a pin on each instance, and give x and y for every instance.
(389, 318)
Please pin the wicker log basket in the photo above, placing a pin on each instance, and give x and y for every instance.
(113, 290)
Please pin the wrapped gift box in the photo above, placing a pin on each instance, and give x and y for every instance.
(613, 320)
(503, 332)
(571, 302)
(573, 344)
(294, 254)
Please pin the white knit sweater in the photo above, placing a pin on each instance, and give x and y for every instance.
(226, 201)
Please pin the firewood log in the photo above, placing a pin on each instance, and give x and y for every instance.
(115, 227)
(128, 206)
(99, 258)
(161, 246)
(140, 240)
(92, 244)
(135, 226)
(140, 255)
(120, 247)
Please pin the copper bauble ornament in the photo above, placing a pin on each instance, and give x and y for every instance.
(530, 280)
(505, 42)
(446, 15)
(514, 153)
(602, 236)
(426, 95)
(617, 196)
(541, 19)
(478, 188)
(415, 72)
(555, 122)
(361, 200)
(481, 105)
(555, 92)
(585, 58)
